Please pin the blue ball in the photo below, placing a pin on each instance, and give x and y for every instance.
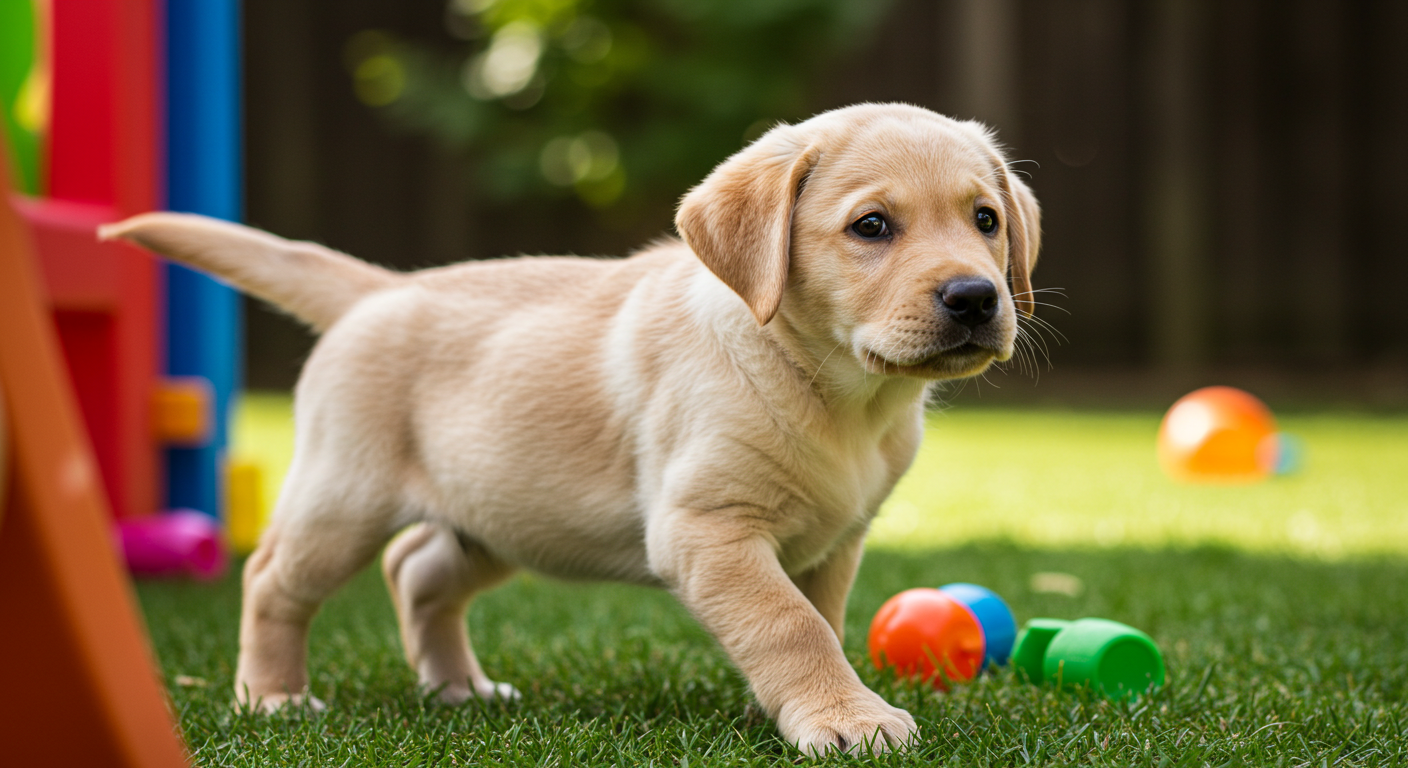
(999, 626)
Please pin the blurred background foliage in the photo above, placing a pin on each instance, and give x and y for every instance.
(614, 102)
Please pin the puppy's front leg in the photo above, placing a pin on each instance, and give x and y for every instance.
(724, 568)
(829, 584)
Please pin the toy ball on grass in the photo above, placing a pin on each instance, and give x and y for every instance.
(1222, 434)
(996, 619)
(927, 634)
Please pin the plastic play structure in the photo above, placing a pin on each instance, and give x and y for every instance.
(75, 665)
(116, 108)
(116, 371)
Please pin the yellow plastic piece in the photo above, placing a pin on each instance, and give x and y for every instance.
(262, 431)
(244, 503)
(183, 411)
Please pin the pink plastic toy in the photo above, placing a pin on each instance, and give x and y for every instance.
(182, 542)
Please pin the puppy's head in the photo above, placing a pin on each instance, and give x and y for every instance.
(888, 230)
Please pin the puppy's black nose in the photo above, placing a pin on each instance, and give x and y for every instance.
(971, 301)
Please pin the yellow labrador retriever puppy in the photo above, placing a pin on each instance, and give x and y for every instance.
(721, 416)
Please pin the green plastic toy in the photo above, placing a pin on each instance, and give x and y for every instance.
(23, 92)
(1113, 658)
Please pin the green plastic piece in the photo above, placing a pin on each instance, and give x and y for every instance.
(1115, 659)
(1029, 654)
(17, 62)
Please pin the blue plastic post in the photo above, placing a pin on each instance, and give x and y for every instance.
(203, 176)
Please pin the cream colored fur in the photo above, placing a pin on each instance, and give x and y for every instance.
(721, 417)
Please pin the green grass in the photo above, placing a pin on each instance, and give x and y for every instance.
(1271, 661)
(1058, 479)
(1063, 479)
(1281, 651)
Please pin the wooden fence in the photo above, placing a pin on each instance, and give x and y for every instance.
(1223, 183)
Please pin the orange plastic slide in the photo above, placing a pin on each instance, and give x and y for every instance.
(78, 686)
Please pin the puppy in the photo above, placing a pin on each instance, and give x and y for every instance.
(719, 416)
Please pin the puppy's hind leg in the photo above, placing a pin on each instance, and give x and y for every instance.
(432, 575)
(319, 539)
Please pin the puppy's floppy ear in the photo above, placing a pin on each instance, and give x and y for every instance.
(739, 219)
(1023, 239)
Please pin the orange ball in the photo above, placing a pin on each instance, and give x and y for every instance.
(925, 633)
(1217, 434)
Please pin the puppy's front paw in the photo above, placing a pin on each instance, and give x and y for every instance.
(283, 702)
(487, 691)
(504, 692)
(862, 723)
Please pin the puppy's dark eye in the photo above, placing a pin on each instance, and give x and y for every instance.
(987, 220)
(871, 226)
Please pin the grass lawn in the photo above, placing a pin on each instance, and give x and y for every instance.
(1282, 610)
(1054, 479)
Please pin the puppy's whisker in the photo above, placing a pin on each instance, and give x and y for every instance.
(1018, 296)
(1022, 348)
(1037, 342)
(1045, 304)
(1022, 353)
(823, 362)
(1011, 163)
(1036, 322)
(1056, 336)
(1035, 347)
(961, 387)
(1033, 369)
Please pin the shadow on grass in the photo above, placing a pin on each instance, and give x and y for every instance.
(1271, 661)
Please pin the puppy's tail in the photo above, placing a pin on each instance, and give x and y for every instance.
(315, 284)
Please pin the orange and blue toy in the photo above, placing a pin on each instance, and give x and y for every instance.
(1223, 434)
(926, 633)
(996, 619)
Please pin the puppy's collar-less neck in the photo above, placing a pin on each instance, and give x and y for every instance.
(829, 371)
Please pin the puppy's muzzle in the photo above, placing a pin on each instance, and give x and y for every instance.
(970, 301)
